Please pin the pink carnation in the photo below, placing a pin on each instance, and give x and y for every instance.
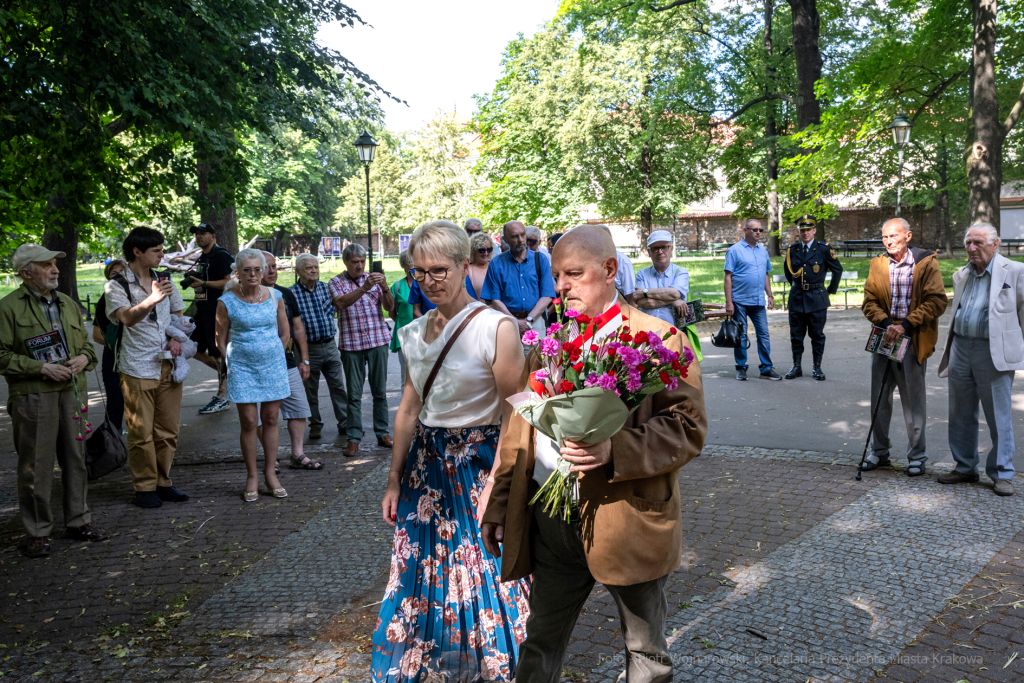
(553, 328)
(572, 314)
(540, 375)
(606, 382)
(550, 347)
(633, 385)
(531, 337)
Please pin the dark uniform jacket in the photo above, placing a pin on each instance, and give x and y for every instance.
(807, 276)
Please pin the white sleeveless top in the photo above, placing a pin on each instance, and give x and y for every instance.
(464, 392)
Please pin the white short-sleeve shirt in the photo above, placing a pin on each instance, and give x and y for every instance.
(464, 393)
(141, 351)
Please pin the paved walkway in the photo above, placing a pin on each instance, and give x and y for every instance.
(792, 570)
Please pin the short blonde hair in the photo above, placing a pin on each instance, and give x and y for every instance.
(441, 238)
(480, 240)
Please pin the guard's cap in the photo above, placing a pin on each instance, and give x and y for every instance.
(203, 227)
(806, 222)
(659, 236)
(32, 253)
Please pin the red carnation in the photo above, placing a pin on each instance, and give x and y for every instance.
(642, 338)
(642, 367)
(593, 348)
(583, 319)
(566, 386)
(625, 338)
(557, 301)
(612, 351)
(567, 347)
(673, 331)
(664, 378)
(611, 373)
(676, 365)
(625, 328)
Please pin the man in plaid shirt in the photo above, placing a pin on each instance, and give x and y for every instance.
(904, 295)
(363, 342)
(314, 300)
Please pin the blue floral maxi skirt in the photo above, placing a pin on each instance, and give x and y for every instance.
(446, 616)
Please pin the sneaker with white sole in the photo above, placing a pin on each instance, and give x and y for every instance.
(215, 405)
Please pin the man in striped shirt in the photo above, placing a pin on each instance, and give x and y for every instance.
(903, 295)
(317, 313)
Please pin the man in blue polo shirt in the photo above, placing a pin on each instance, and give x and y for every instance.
(512, 284)
(746, 286)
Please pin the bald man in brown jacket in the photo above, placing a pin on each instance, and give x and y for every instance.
(626, 528)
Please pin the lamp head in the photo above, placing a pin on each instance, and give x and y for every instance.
(900, 128)
(366, 146)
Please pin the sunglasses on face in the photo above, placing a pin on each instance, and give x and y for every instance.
(532, 242)
(483, 252)
(756, 229)
(662, 248)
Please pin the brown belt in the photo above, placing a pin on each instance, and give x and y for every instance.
(519, 315)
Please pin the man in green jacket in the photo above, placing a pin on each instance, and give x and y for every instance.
(44, 348)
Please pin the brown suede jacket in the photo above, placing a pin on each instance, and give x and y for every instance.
(927, 299)
(630, 509)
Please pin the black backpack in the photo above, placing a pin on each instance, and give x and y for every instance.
(106, 449)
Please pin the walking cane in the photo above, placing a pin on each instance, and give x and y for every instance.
(874, 415)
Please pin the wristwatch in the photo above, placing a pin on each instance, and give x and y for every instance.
(645, 290)
(529, 319)
(305, 362)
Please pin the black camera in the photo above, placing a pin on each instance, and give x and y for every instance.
(186, 281)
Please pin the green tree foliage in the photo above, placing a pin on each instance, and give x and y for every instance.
(79, 74)
(442, 181)
(612, 115)
(390, 190)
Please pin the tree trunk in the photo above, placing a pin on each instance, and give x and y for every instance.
(806, 27)
(213, 207)
(942, 204)
(646, 214)
(984, 165)
(774, 246)
(60, 235)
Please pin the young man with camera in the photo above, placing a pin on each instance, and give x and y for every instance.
(208, 279)
(144, 357)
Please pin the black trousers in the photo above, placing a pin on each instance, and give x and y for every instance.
(812, 324)
(112, 388)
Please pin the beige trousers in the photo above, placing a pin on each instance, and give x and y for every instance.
(152, 414)
(33, 417)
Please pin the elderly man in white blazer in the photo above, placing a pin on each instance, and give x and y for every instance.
(984, 346)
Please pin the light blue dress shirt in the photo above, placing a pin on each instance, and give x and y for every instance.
(971, 317)
(674, 276)
(749, 267)
(625, 279)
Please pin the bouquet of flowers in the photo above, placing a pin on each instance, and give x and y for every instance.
(595, 373)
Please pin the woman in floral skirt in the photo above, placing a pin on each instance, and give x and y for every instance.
(446, 616)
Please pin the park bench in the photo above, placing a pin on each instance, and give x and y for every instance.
(718, 248)
(1013, 242)
(846, 277)
(851, 247)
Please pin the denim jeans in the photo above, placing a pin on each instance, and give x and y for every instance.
(758, 316)
(973, 379)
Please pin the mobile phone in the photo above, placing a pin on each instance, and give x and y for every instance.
(377, 267)
(162, 275)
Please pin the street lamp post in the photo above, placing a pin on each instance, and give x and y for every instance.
(900, 128)
(366, 146)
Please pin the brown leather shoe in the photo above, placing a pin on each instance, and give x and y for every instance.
(39, 546)
(85, 533)
(352, 449)
(955, 477)
(385, 441)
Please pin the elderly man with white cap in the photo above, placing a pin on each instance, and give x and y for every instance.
(44, 352)
(661, 289)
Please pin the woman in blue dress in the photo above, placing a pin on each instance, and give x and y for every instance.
(446, 616)
(252, 331)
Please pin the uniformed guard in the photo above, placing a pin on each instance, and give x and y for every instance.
(807, 261)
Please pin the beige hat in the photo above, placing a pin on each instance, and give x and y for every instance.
(32, 253)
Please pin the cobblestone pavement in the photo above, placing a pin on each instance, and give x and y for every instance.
(783, 543)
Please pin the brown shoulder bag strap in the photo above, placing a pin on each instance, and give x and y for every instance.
(444, 352)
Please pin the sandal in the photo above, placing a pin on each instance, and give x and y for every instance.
(251, 496)
(304, 464)
(278, 493)
(915, 469)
